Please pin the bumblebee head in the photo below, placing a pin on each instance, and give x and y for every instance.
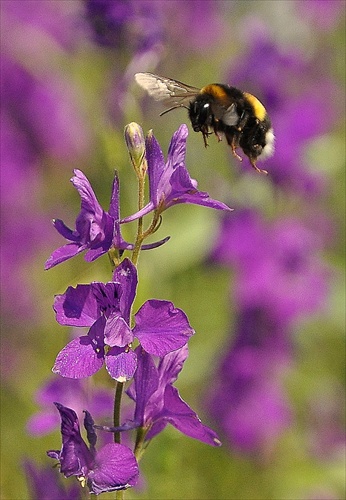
(200, 113)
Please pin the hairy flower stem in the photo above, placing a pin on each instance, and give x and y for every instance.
(141, 201)
(116, 412)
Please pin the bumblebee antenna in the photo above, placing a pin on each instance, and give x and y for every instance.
(173, 107)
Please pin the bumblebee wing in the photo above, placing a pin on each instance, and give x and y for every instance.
(171, 93)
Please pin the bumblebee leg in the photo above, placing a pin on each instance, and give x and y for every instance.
(205, 139)
(234, 152)
(253, 164)
(232, 138)
(218, 135)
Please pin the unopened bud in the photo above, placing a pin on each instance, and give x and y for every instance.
(136, 145)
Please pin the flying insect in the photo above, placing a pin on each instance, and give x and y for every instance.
(220, 109)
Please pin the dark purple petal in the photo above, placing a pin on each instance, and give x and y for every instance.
(95, 253)
(89, 427)
(107, 296)
(120, 363)
(156, 167)
(126, 275)
(161, 328)
(184, 190)
(89, 202)
(79, 358)
(65, 231)
(177, 148)
(115, 468)
(114, 203)
(146, 383)
(63, 253)
(75, 457)
(117, 332)
(77, 306)
(180, 415)
(150, 207)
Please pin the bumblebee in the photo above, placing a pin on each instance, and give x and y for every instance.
(218, 109)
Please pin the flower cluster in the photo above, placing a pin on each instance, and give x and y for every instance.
(278, 279)
(148, 347)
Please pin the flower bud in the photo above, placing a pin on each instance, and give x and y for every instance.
(136, 145)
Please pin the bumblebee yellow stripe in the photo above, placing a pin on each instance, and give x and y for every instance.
(216, 91)
(258, 108)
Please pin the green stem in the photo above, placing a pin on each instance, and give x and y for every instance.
(116, 411)
(119, 495)
(139, 239)
(140, 437)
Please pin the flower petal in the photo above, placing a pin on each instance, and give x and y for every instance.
(65, 231)
(180, 415)
(75, 457)
(89, 202)
(126, 275)
(146, 383)
(184, 190)
(177, 148)
(117, 332)
(63, 253)
(121, 364)
(156, 166)
(144, 211)
(115, 468)
(114, 203)
(171, 365)
(79, 358)
(77, 306)
(161, 328)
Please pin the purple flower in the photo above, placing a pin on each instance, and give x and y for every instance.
(158, 403)
(72, 393)
(170, 182)
(113, 467)
(105, 308)
(277, 264)
(125, 23)
(248, 399)
(96, 231)
(45, 111)
(44, 483)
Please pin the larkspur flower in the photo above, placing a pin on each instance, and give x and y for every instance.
(170, 183)
(248, 400)
(277, 265)
(105, 308)
(158, 402)
(97, 231)
(113, 467)
(125, 24)
(72, 393)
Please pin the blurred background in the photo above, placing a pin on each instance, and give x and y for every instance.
(264, 287)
